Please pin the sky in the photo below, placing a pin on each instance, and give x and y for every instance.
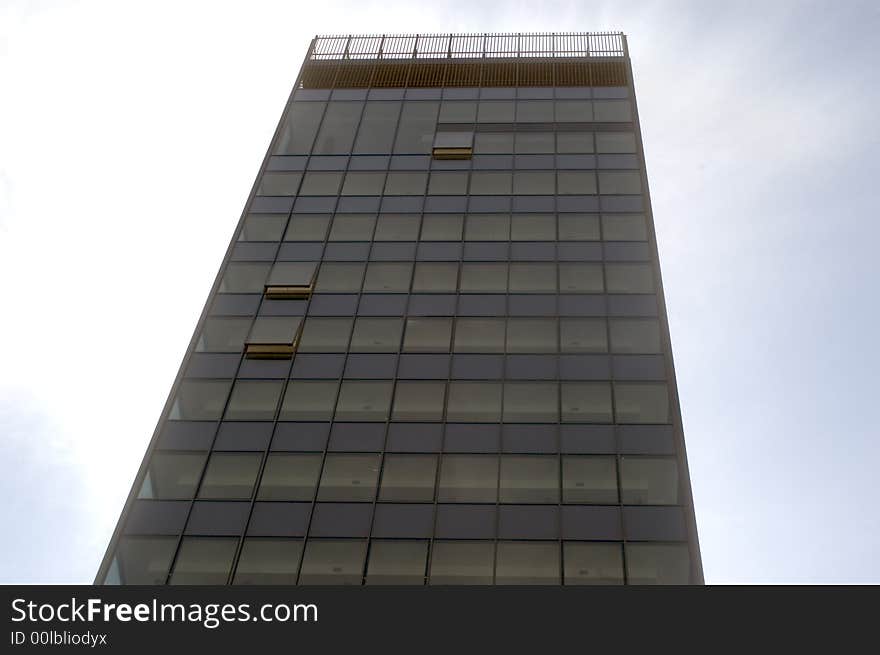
(130, 136)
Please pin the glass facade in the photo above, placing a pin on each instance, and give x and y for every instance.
(481, 387)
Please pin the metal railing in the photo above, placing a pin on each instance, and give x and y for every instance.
(469, 46)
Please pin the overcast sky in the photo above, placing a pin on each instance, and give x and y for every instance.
(130, 136)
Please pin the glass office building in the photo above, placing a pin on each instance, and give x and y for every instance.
(437, 350)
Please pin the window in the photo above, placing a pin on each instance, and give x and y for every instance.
(203, 561)
(495, 111)
(479, 335)
(333, 562)
(635, 335)
(474, 402)
(663, 564)
(531, 402)
(425, 335)
(309, 401)
(534, 183)
(223, 335)
(415, 133)
(531, 335)
(533, 277)
(230, 475)
(435, 277)
(279, 184)
(358, 183)
(419, 401)
(200, 400)
(289, 477)
(482, 278)
(453, 145)
(487, 227)
(529, 479)
(629, 278)
(292, 274)
(612, 111)
(487, 143)
(388, 277)
(586, 402)
(363, 401)
(397, 562)
(307, 227)
(320, 184)
(485, 183)
(325, 335)
(641, 403)
(143, 560)
(268, 561)
(534, 142)
(376, 335)
(578, 227)
(253, 400)
(172, 475)
(574, 142)
(397, 227)
(244, 278)
(340, 277)
(576, 182)
(619, 182)
(408, 478)
(583, 335)
(442, 227)
(524, 563)
(376, 132)
(616, 142)
(274, 330)
(352, 227)
(263, 227)
(462, 563)
(573, 111)
(468, 479)
(588, 479)
(448, 183)
(458, 111)
(588, 563)
(648, 480)
(580, 278)
(300, 128)
(533, 227)
(624, 227)
(338, 127)
(534, 111)
(405, 184)
(349, 477)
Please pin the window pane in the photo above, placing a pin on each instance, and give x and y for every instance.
(487, 227)
(531, 335)
(359, 183)
(583, 278)
(641, 403)
(223, 335)
(576, 182)
(624, 227)
(534, 111)
(635, 335)
(363, 401)
(300, 128)
(663, 564)
(586, 402)
(573, 111)
(442, 227)
(320, 184)
(481, 278)
(578, 227)
(144, 560)
(458, 111)
(405, 184)
(583, 335)
(619, 182)
(439, 276)
(589, 480)
(408, 478)
(307, 227)
(172, 475)
(397, 563)
(289, 477)
(352, 227)
(387, 277)
(309, 401)
(338, 127)
(244, 278)
(529, 479)
(479, 335)
(279, 184)
(478, 402)
(612, 111)
(340, 277)
(275, 329)
(536, 402)
(253, 400)
(495, 111)
(587, 563)
(376, 335)
(648, 480)
(629, 278)
(376, 132)
(292, 273)
(415, 133)
(397, 227)
(200, 400)
(462, 562)
(230, 476)
(325, 335)
(488, 143)
(533, 227)
(533, 277)
(263, 227)
(490, 183)
(425, 335)
(468, 479)
(523, 563)
(328, 562)
(349, 477)
(448, 183)
(268, 561)
(534, 183)
(574, 142)
(534, 142)
(203, 561)
(615, 142)
(419, 401)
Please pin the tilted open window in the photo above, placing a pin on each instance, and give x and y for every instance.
(290, 280)
(273, 337)
(453, 145)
